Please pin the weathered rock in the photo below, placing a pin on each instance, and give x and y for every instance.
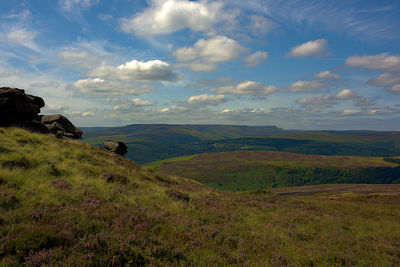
(16, 107)
(117, 147)
(22, 110)
(61, 126)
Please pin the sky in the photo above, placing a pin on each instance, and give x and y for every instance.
(296, 64)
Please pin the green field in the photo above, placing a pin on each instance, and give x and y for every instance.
(59, 206)
(251, 170)
(152, 142)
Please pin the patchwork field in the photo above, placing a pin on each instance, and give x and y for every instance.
(250, 170)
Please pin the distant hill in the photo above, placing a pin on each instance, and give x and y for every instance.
(251, 170)
(152, 142)
(66, 203)
(182, 133)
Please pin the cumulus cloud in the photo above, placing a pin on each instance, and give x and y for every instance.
(326, 75)
(71, 5)
(315, 48)
(153, 70)
(206, 100)
(248, 88)
(101, 87)
(174, 109)
(385, 62)
(205, 54)
(305, 86)
(346, 94)
(167, 16)
(255, 59)
(133, 104)
(385, 79)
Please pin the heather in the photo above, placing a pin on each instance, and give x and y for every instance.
(252, 170)
(66, 203)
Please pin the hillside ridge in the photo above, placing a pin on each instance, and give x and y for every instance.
(66, 203)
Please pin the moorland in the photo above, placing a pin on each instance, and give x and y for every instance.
(67, 203)
(240, 158)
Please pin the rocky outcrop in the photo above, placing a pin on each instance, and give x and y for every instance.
(22, 110)
(61, 126)
(116, 147)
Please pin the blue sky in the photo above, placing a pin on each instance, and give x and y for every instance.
(295, 64)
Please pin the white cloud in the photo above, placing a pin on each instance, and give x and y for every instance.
(315, 48)
(71, 5)
(134, 103)
(98, 86)
(87, 114)
(395, 88)
(326, 75)
(305, 86)
(167, 16)
(217, 49)
(248, 88)
(174, 109)
(348, 112)
(21, 36)
(326, 101)
(204, 55)
(255, 59)
(346, 94)
(153, 70)
(385, 79)
(23, 15)
(385, 62)
(205, 100)
(260, 25)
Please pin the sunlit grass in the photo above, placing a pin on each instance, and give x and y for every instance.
(162, 220)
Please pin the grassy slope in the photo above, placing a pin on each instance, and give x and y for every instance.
(57, 210)
(250, 170)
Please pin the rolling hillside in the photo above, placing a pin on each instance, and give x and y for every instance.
(250, 170)
(153, 142)
(66, 203)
